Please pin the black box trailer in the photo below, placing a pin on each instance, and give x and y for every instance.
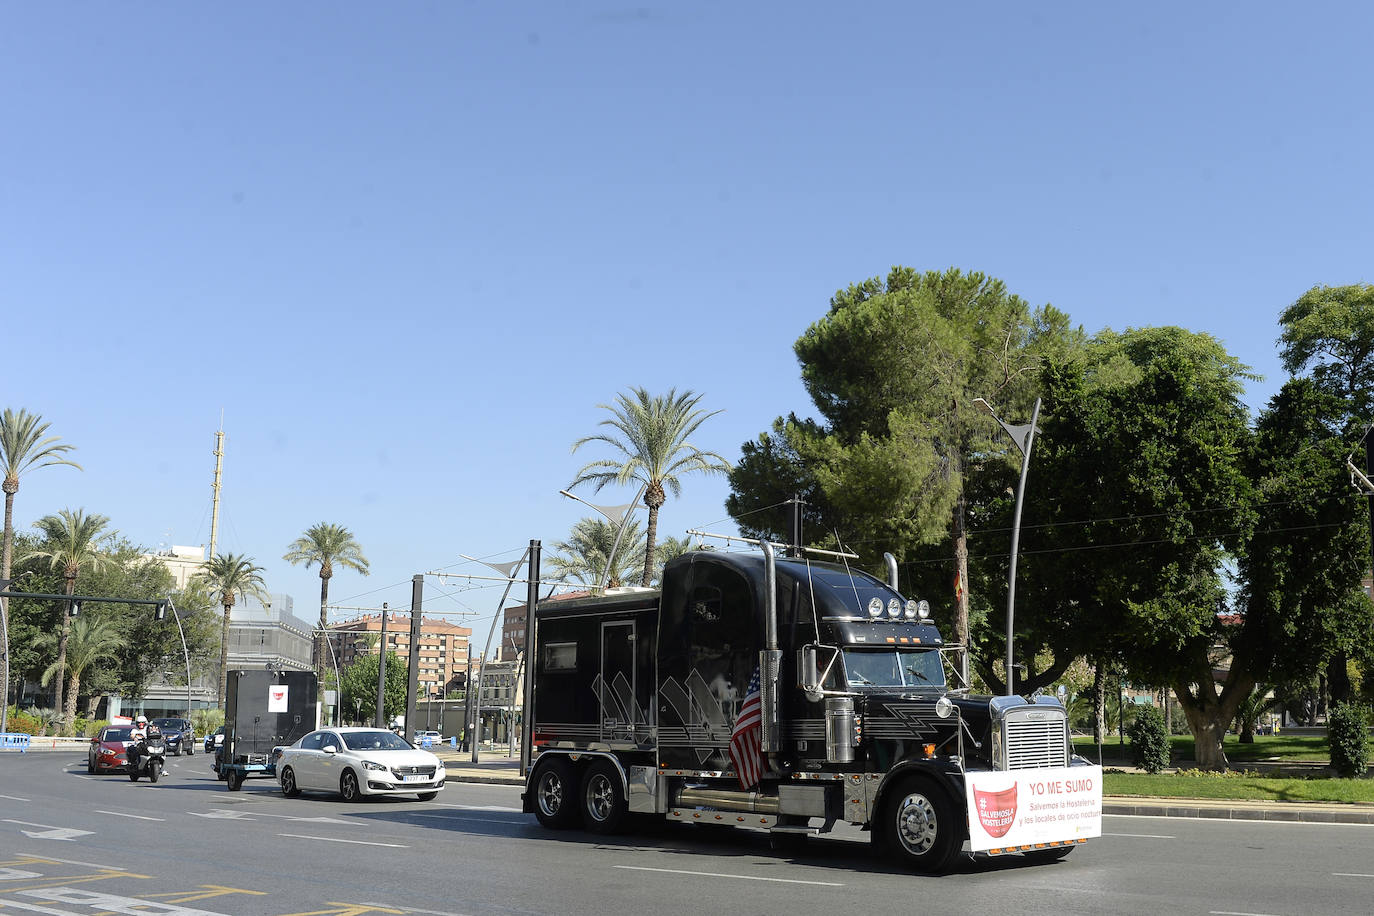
(787, 694)
(264, 710)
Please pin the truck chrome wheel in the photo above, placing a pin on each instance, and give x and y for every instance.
(603, 799)
(554, 803)
(918, 825)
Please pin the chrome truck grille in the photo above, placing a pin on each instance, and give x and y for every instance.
(1030, 737)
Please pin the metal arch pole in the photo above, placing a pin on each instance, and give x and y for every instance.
(482, 662)
(531, 606)
(624, 524)
(1015, 546)
(338, 683)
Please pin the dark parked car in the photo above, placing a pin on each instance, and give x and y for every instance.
(107, 750)
(214, 740)
(178, 735)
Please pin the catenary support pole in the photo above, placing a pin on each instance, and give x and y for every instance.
(417, 591)
(381, 672)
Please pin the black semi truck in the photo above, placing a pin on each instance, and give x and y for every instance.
(788, 695)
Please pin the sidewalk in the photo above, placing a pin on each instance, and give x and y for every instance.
(493, 766)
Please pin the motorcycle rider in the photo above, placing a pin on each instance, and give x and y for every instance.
(140, 734)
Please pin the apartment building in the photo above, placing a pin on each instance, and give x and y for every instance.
(443, 648)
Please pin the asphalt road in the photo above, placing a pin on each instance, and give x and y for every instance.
(76, 844)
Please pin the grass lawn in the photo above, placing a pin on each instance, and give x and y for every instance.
(1237, 784)
(1192, 784)
(1278, 748)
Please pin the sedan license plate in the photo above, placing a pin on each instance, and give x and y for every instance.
(415, 777)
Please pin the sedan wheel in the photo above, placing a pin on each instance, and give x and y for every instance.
(348, 786)
(288, 783)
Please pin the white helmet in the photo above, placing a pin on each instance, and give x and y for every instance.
(141, 720)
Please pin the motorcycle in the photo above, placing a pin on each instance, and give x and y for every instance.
(151, 755)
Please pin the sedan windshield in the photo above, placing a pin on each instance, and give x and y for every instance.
(893, 668)
(117, 734)
(375, 741)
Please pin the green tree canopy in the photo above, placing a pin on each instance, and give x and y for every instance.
(893, 369)
(1138, 495)
(360, 687)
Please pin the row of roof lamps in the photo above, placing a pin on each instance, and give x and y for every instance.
(911, 610)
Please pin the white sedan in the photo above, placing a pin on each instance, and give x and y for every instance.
(358, 761)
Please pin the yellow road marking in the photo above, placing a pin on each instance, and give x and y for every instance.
(347, 909)
(62, 882)
(211, 890)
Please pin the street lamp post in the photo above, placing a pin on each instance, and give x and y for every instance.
(176, 616)
(1024, 437)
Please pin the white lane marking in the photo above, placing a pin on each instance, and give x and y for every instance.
(330, 839)
(478, 807)
(410, 909)
(50, 832)
(1239, 821)
(14, 798)
(1144, 836)
(141, 817)
(716, 874)
(1237, 913)
(1348, 874)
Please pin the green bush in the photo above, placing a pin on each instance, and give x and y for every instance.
(1149, 742)
(1347, 731)
(21, 723)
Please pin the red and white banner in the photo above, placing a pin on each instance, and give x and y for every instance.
(1019, 807)
(276, 698)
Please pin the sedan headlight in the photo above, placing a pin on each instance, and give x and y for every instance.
(373, 765)
(107, 752)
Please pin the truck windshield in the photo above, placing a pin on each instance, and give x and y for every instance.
(889, 667)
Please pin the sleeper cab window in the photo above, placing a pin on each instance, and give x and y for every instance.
(560, 656)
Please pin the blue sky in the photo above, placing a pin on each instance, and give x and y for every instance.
(405, 249)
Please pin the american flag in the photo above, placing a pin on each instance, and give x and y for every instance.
(745, 751)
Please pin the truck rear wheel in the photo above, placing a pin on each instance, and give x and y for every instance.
(555, 804)
(917, 825)
(603, 799)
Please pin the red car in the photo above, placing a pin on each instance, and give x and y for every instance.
(107, 751)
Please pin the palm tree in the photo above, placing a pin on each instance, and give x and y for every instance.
(654, 450)
(91, 639)
(22, 448)
(326, 545)
(69, 544)
(583, 555)
(228, 576)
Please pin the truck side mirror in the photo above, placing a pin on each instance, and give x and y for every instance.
(808, 668)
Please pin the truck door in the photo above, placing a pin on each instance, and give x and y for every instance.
(615, 687)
